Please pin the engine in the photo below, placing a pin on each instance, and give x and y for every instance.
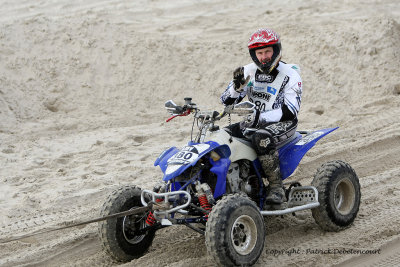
(240, 179)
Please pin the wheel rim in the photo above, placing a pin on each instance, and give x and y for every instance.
(344, 196)
(128, 228)
(244, 234)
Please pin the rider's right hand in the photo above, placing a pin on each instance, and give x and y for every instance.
(238, 79)
(251, 121)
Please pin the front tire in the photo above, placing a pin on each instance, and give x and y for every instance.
(338, 194)
(235, 231)
(119, 235)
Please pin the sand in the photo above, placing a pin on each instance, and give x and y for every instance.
(82, 92)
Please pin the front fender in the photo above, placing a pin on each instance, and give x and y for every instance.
(164, 156)
(174, 162)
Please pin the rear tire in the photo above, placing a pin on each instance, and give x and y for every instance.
(118, 234)
(235, 231)
(338, 194)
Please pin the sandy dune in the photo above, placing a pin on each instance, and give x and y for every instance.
(82, 88)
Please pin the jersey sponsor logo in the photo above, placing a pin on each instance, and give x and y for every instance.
(279, 128)
(259, 88)
(278, 101)
(264, 78)
(271, 90)
(265, 142)
(285, 81)
(261, 95)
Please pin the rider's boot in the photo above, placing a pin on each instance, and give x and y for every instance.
(270, 164)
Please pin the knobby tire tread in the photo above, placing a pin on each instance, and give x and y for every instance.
(217, 230)
(108, 228)
(325, 215)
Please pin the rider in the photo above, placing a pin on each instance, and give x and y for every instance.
(275, 88)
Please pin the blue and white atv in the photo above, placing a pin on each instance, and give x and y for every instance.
(215, 186)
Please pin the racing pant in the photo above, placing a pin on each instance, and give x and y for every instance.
(266, 140)
(272, 134)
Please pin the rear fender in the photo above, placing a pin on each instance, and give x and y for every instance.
(291, 154)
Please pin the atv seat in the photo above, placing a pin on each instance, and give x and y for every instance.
(250, 132)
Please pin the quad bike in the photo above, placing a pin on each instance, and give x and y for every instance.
(215, 186)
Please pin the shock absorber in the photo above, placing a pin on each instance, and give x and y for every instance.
(204, 203)
(151, 220)
(205, 196)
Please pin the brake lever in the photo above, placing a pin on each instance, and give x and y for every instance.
(185, 113)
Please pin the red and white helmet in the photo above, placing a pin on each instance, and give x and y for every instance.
(264, 38)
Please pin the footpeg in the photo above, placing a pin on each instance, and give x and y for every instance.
(302, 195)
(300, 198)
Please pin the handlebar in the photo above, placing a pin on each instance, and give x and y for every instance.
(244, 108)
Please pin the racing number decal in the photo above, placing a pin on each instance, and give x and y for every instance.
(188, 154)
(184, 154)
(259, 105)
(260, 98)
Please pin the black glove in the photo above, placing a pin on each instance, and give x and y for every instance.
(238, 79)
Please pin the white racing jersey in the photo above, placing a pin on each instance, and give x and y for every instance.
(270, 92)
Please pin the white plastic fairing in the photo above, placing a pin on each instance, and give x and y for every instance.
(172, 168)
(239, 150)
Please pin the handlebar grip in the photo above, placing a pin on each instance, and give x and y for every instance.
(179, 110)
(220, 116)
(215, 114)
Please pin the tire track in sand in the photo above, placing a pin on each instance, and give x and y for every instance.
(389, 256)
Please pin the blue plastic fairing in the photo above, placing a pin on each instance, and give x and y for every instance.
(291, 154)
(220, 168)
(164, 156)
(175, 186)
(174, 162)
